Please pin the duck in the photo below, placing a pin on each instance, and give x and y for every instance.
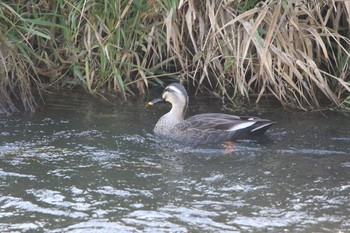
(206, 128)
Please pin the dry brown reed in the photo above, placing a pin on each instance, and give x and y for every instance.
(296, 51)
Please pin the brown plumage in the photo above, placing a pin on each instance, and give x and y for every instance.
(203, 128)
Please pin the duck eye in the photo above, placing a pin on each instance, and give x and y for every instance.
(168, 90)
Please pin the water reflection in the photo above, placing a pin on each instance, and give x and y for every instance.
(85, 166)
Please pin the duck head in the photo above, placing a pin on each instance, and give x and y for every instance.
(175, 94)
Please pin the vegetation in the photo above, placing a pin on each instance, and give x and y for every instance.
(297, 51)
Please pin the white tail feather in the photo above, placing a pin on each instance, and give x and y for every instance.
(242, 126)
(262, 126)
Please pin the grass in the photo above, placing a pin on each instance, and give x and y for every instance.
(295, 51)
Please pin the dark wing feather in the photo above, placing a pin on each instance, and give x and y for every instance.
(215, 127)
(218, 121)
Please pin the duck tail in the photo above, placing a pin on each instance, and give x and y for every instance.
(260, 127)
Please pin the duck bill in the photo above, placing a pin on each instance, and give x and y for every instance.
(153, 102)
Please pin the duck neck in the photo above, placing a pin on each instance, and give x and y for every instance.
(178, 111)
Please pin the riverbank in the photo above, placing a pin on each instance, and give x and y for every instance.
(297, 53)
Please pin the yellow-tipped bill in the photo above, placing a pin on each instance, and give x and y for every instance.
(153, 102)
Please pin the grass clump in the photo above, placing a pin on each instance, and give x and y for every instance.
(296, 51)
(15, 81)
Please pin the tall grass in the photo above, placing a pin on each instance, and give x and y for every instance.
(15, 81)
(116, 45)
(296, 51)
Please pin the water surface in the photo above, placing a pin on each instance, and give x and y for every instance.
(83, 165)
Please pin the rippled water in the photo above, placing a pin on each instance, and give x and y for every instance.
(79, 165)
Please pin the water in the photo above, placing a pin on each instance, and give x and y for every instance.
(82, 165)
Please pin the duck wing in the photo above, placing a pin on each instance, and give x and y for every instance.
(215, 127)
